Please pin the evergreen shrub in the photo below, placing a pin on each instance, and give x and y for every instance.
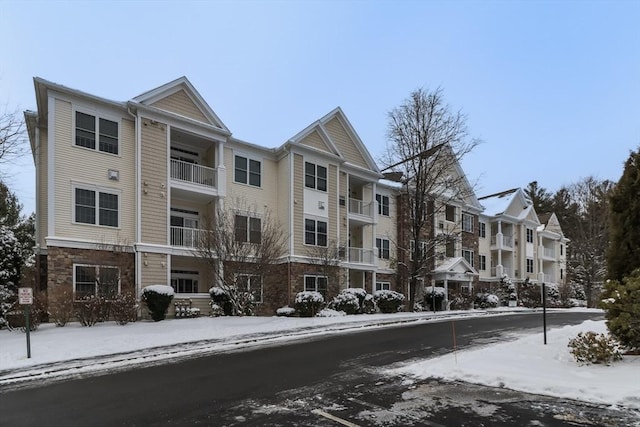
(388, 301)
(157, 298)
(308, 303)
(589, 347)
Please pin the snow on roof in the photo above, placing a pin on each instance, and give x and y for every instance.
(496, 204)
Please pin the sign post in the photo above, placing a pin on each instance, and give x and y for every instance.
(544, 312)
(25, 298)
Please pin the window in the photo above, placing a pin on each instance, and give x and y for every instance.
(251, 283)
(316, 284)
(90, 204)
(383, 286)
(467, 223)
(529, 235)
(248, 229)
(561, 273)
(468, 255)
(383, 248)
(383, 204)
(482, 229)
(482, 260)
(88, 126)
(529, 265)
(315, 232)
(450, 213)
(184, 282)
(95, 280)
(247, 171)
(450, 250)
(315, 176)
(561, 249)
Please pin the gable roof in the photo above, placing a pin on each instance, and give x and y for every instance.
(511, 203)
(455, 265)
(182, 84)
(322, 127)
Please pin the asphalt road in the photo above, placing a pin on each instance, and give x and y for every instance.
(329, 381)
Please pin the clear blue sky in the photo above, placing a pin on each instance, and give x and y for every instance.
(553, 88)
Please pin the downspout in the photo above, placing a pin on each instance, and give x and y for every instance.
(37, 224)
(138, 234)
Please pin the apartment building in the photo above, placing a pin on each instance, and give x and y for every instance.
(125, 191)
(516, 241)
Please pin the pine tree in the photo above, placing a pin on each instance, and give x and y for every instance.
(623, 255)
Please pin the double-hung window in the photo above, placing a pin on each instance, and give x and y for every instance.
(383, 286)
(529, 235)
(89, 128)
(247, 171)
(482, 259)
(468, 255)
(96, 207)
(315, 232)
(383, 204)
(184, 281)
(95, 280)
(529, 265)
(316, 284)
(450, 213)
(315, 176)
(467, 222)
(383, 248)
(248, 229)
(482, 229)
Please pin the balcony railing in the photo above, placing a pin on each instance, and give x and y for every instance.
(549, 252)
(361, 256)
(190, 172)
(360, 208)
(186, 237)
(505, 270)
(507, 241)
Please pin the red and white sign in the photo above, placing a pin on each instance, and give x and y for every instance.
(25, 296)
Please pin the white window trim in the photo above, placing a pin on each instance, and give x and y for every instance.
(98, 114)
(249, 157)
(469, 219)
(469, 251)
(380, 249)
(250, 215)
(382, 287)
(315, 183)
(187, 274)
(304, 231)
(480, 262)
(316, 277)
(97, 189)
(381, 204)
(249, 276)
(95, 266)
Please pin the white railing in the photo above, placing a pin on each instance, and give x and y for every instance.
(186, 237)
(505, 270)
(549, 252)
(360, 255)
(507, 241)
(190, 172)
(361, 208)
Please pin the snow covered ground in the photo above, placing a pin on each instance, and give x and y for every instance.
(522, 363)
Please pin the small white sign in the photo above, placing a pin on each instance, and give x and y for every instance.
(25, 296)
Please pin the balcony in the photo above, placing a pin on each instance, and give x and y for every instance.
(186, 237)
(361, 211)
(549, 278)
(549, 253)
(360, 256)
(194, 177)
(501, 242)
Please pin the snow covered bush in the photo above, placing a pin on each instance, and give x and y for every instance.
(486, 300)
(368, 306)
(157, 298)
(221, 300)
(622, 310)
(216, 310)
(507, 290)
(461, 300)
(346, 302)
(7, 298)
(530, 294)
(308, 303)
(286, 311)
(124, 308)
(232, 301)
(329, 312)
(388, 301)
(89, 310)
(60, 305)
(590, 347)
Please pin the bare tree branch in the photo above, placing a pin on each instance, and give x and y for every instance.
(12, 136)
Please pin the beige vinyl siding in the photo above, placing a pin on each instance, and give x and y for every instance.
(181, 103)
(314, 140)
(332, 189)
(43, 201)
(154, 177)
(83, 167)
(345, 145)
(153, 269)
(284, 184)
(298, 203)
(244, 196)
(342, 223)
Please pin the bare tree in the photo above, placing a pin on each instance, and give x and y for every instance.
(238, 243)
(12, 135)
(327, 259)
(427, 141)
